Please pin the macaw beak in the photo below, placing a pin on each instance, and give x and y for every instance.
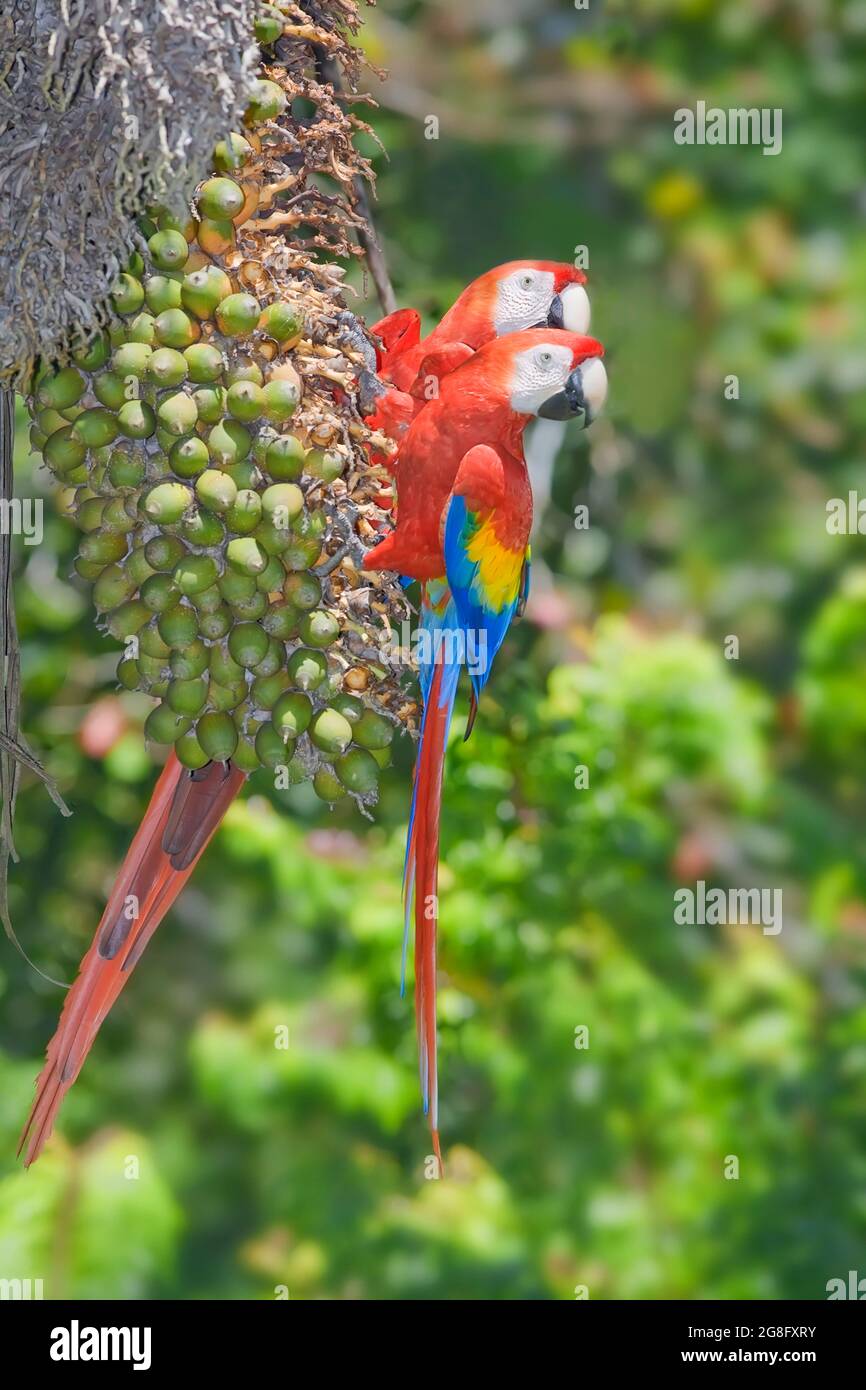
(583, 394)
(570, 310)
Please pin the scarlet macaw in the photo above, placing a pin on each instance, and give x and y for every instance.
(463, 524)
(507, 299)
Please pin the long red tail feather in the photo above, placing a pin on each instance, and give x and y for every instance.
(422, 872)
(184, 811)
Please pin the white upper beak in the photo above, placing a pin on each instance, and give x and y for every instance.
(575, 309)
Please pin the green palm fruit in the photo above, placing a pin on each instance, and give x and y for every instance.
(248, 643)
(245, 369)
(163, 725)
(168, 367)
(358, 771)
(174, 328)
(349, 706)
(208, 600)
(303, 590)
(103, 546)
(113, 586)
(142, 329)
(280, 400)
(168, 250)
(246, 555)
(226, 697)
(281, 503)
(215, 490)
(188, 662)
(235, 586)
(245, 513)
(220, 197)
(212, 468)
(162, 292)
(244, 400)
(203, 528)
(215, 624)
(203, 290)
(178, 626)
(127, 294)
(281, 620)
(126, 620)
(61, 389)
(177, 413)
(136, 420)
(129, 673)
(250, 610)
(94, 355)
(187, 697)
(190, 752)
(328, 787)
(163, 552)
(217, 735)
(265, 691)
(319, 628)
(327, 466)
(63, 452)
(331, 732)
(373, 731)
(151, 644)
(267, 101)
(228, 442)
(188, 457)
(307, 669)
(281, 321)
(232, 153)
(273, 660)
(271, 749)
(110, 390)
(159, 593)
(271, 577)
(269, 24)
(204, 362)
(284, 458)
(131, 360)
(89, 513)
(210, 402)
(195, 573)
(238, 314)
(167, 502)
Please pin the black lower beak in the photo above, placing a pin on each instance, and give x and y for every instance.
(555, 314)
(568, 403)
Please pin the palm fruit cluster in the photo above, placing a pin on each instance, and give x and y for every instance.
(210, 449)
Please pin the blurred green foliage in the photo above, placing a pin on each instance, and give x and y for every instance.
(266, 1168)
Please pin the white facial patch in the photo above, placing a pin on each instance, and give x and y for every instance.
(575, 309)
(523, 300)
(539, 372)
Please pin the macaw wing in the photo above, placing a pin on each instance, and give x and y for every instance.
(485, 576)
(398, 332)
(435, 365)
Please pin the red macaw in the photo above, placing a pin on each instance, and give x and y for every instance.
(463, 524)
(507, 299)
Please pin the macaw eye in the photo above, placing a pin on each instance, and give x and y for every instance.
(526, 282)
(545, 358)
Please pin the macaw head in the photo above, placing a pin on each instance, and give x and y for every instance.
(516, 296)
(550, 373)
